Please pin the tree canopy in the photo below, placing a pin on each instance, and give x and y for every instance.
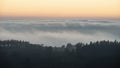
(22, 54)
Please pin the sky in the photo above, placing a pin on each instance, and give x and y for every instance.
(60, 8)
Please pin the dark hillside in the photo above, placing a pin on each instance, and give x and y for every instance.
(22, 54)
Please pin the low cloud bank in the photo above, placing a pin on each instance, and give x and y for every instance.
(59, 32)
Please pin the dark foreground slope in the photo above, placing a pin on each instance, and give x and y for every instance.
(21, 54)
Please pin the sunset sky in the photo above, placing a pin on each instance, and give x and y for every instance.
(60, 8)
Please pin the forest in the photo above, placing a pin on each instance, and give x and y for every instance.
(22, 54)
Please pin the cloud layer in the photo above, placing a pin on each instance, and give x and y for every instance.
(57, 32)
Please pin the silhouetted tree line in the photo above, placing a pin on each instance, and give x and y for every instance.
(22, 54)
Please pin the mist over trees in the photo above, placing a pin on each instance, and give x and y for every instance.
(22, 54)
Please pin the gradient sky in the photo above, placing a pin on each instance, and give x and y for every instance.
(60, 8)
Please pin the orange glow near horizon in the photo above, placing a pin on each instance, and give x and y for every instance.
(60, 8)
